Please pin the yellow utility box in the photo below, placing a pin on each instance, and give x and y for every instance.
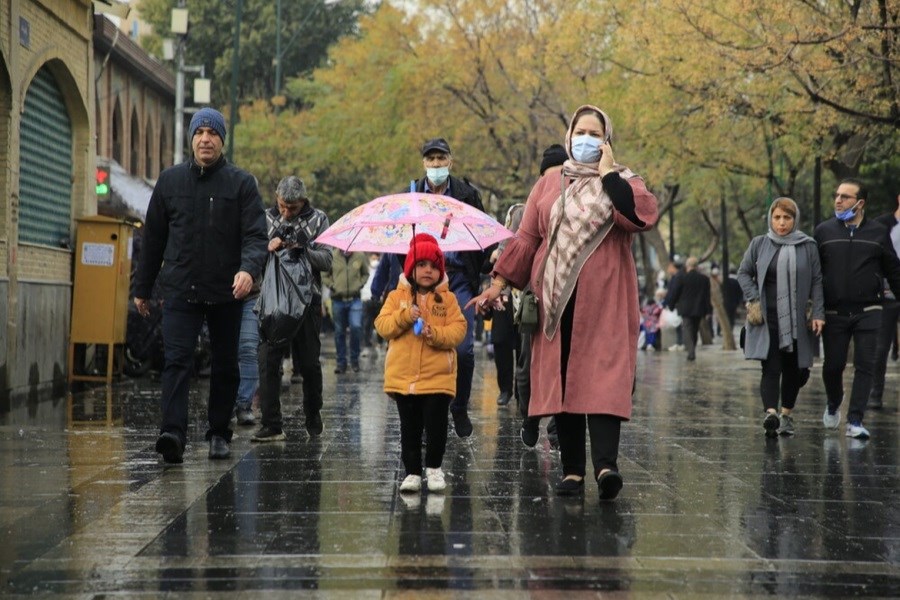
(100, 296)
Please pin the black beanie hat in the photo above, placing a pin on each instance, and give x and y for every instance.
(554, 156)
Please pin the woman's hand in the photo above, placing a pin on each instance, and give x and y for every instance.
(817, 326)
(485, 301)
(607, 160)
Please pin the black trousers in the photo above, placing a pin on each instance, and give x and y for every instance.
(889, 314)
(570, 427)
(418, 413)
(780, 373)
(863, 329)
(604, 430)
(523, 374)
(181, 323)
(305, 348)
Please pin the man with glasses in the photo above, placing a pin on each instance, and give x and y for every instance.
(857, 256)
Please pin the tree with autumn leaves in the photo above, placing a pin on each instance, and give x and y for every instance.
(735, 100)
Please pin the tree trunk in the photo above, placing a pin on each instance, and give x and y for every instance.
(718, 303)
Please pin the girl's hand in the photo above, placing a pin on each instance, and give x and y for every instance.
(428, 332)
(414, 312)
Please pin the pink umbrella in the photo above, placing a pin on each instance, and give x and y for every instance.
(387, 224)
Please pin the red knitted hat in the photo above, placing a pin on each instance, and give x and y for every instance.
(423, 247)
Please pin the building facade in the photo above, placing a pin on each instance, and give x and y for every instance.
(53, 123)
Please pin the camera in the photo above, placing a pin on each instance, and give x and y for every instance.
(292, 236)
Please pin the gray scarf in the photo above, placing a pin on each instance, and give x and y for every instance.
(786, 280)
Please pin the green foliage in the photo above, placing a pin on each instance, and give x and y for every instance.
(308, 28)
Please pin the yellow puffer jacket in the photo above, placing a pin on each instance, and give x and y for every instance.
(414, 365)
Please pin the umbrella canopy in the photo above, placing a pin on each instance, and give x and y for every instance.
(387, 224)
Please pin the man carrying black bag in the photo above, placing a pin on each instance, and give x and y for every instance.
(293, 224)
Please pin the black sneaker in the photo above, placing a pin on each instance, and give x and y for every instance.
(530, 432)
(170, 447)
(268, 434)
(218, 448)
(461, 423)
(570, 487)
(504, 398)
(771, 425)
(314, 424)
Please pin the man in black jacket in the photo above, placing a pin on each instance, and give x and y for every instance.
(205, 238)
(857, 257)
(690, 295)
(889, 314)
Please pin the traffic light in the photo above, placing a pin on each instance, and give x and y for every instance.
(102, 183)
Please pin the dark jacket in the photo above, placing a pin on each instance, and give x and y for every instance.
(855, 263)
(203, 226)
(690, 294)
(312, 222)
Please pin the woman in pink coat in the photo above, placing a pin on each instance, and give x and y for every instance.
(574, 249)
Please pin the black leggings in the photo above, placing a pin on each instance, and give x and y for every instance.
(780, 373)
(418, 413)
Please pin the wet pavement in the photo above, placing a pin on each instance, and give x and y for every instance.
(710, 508)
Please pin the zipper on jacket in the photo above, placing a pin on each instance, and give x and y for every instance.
(211, 211)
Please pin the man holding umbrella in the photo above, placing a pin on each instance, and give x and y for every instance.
(463, 269)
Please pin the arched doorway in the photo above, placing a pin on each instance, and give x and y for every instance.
(148, 152)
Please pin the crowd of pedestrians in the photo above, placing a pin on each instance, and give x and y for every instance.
(571, 258)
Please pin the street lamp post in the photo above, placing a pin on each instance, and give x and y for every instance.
(180, 29)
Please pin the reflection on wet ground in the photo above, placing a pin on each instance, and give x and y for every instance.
(710, 506)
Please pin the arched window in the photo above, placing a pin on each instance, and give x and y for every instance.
(149, 171)
(135, 145)
(117, 133)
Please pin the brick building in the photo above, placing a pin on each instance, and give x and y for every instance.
(54, 122)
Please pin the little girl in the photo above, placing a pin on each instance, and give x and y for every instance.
(423, 324)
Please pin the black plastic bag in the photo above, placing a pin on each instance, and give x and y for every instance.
(285, 294)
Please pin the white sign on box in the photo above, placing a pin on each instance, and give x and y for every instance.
(98, 255)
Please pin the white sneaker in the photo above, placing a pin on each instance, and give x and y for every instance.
(831, 420)
(412, 483)
(856, 430)
(435, 479)
(674, 348)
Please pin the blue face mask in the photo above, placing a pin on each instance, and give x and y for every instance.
(846, 215)
(586, 149)
(437, 175)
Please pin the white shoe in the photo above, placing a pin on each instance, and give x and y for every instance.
(831, 420)
(674, 348)
(412, 483)
(856, 430)
(435, 479)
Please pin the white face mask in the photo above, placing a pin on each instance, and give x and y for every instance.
(586, 148)
(373, 263)
(437, 175)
